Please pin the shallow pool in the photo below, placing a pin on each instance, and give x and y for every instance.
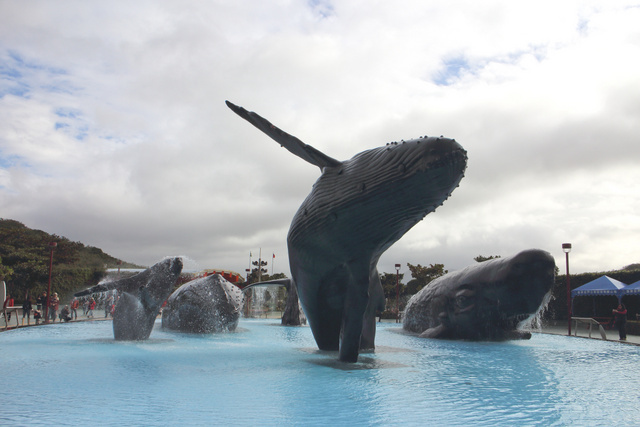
(267, 374)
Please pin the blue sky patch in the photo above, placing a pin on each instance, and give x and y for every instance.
(20, 77)
(451, 71)
(8, 161)
(323, 8)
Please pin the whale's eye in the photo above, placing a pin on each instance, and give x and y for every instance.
(465, 298)
(461, 301)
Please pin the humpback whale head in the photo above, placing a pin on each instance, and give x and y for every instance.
(484, 301)
(394, 186)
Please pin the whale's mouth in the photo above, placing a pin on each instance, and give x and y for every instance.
(518, 318)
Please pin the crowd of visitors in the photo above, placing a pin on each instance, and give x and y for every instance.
(49, 308)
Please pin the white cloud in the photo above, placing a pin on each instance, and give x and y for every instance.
(114, 132)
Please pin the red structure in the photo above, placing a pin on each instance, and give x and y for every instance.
(231, 276)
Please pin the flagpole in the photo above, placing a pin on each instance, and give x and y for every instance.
(273, 260)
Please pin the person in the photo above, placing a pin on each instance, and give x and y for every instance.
(8, 302)
(54, 303)
(620, 315)
(26, 310)
(92, 306)
(74, 308)
(65, 314)
(37, 316)
(107, 306)
(41, 303)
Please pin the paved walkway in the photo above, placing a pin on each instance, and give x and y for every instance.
(97, 315)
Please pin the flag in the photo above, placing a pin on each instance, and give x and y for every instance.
(274, 255)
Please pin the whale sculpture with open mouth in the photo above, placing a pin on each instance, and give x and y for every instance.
(485, 301)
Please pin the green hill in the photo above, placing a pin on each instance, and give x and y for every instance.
(25, 256)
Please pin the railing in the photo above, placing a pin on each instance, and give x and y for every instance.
(591, 322)
(6, 312)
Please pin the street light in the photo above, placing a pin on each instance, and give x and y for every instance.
(397, 293)
(52, 246)
(566, 248)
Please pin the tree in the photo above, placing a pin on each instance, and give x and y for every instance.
(481, 258)
(423, 275)
(24, 261)
(5, 271)
(388, 281)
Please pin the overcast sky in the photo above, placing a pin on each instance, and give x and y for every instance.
(114, 131)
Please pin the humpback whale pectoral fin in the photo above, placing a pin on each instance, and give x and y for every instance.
(101, 287)
(439, 331)
(289, 142)
(355, 305)
(442, 330)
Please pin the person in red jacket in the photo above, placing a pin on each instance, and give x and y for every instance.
(620, 315)
(8, 303)
(74, 308)
(92, 306)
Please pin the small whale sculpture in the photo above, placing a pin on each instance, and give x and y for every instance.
(485, 301)
(356, 210)
(141, 299)
(205, 305)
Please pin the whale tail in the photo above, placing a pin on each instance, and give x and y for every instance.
(290, 142)
(170, 267)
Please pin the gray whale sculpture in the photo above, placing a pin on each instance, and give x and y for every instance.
(141, 299)
(356, 210)
(205, 305)
(485, 301)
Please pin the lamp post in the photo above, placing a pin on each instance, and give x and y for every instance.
(247, 295)
(397, 293)
(52, 246)
(566, 248)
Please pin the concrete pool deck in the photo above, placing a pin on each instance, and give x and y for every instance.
(583, 332)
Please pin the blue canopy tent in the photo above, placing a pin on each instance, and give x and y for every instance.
(632, 289)
(604, 285)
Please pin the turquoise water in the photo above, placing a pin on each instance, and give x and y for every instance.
(267, 374)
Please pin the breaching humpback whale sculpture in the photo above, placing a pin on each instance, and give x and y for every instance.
(356, 210)
(205, 305)
(141, 299)
(485, 301)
